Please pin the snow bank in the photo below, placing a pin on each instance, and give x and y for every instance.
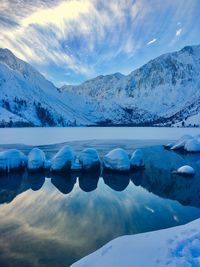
(117, 160)
(89, 159)
(12, 159)
(36, 159)
(186, 170)
(137, 159)
(64, 159)
(192, 145)
(181, 142)
(177, 246)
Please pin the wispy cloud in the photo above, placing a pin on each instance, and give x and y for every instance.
(179, 31)
(152, 41)
(85, 37)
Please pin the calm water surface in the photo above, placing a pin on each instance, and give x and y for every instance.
(55, 220)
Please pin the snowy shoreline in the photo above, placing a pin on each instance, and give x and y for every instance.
(176, 246)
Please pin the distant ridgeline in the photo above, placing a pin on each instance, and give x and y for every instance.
(163, 92)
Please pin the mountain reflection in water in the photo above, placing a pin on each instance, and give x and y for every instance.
(53, 220)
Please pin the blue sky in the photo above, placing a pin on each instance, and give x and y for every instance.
(74, 40)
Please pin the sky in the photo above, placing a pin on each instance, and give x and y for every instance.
(74, 40)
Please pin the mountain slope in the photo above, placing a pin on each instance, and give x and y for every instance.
(167, 87)
(30, 98)
(165, 91)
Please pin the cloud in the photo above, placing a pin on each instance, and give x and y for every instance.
(179, 31)
(72, 33)
(152, 41)
(85, 37)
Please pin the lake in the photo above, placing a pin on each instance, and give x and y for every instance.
(54, 220)
(46, 136)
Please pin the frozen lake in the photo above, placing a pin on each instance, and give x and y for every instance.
(51, 220)
(45, 136)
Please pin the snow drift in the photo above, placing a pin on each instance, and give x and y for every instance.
(173, 247)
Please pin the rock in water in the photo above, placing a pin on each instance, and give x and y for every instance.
(169, 145)
(181, 142)
(185, 171)
(117, 160)
(64, 159)
(137, 159)
(89, 159)
(192, 145)
(76, 165)
(36, 160)
(12, 159)
(47, 164)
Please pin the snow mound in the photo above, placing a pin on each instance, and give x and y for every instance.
(89, 159)
(174, 247)
(137, 159)
(186, 170)
(117, 160)
(36, 159)
(192, 145)
(12, 159)
(181, 142)
(64, 159)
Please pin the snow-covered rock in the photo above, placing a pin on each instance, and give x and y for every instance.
(64, 159)
(181, 142)
(117, 160)
(169, 145)
(197, 137)
(174, 247)
(192, 145)
(185, 171)
(12, 159)
(76, 165)
(137, 159)
(47, 164)
(89, 159)
(36, 159)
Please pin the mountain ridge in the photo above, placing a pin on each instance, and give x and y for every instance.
(138, 98)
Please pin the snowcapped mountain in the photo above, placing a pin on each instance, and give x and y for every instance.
(27, 98)
(165, 91)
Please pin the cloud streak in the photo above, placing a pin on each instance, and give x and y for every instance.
(87, 37)
(179, 31)
(152, 41)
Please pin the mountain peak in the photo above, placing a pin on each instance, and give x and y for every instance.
(138, 98)
(5, 51)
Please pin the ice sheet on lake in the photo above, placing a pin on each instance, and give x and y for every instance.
(45, 136)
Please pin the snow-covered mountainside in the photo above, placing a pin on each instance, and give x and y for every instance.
(27, 98)
(166, 90)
